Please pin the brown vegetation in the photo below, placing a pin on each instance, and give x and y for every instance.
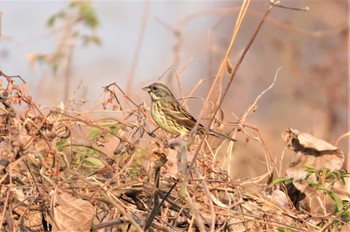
(64, 169)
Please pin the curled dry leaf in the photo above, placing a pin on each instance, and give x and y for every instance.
(280, 198)
(314, 152)
(229, 67)
(71, 213)
(311, 151)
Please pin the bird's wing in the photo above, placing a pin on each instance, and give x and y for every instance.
(180, 114)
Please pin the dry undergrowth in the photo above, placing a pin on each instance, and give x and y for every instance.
(67, 170)
(64, 170)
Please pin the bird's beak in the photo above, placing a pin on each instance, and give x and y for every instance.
(147, 89)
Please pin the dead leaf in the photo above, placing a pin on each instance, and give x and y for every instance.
(280, 198)
(229, 67)
(311, 151)
(317, 153)
(71, 213)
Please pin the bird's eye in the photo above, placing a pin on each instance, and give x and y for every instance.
(154, 87)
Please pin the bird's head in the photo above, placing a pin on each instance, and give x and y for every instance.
(158, 91)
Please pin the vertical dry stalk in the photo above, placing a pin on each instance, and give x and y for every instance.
(138, 49)
(1, 24)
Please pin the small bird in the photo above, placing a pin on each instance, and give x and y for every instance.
(171, 116)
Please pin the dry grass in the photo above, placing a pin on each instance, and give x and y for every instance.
(62, 169)
(67, 169)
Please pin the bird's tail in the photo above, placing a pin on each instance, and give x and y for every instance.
(221, 136)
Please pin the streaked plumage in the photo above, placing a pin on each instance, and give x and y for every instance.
(170, 115)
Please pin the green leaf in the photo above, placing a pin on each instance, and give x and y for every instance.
(87, 39)
(320, 187)
(281, 229)
(284, 180)
(94, 133)
(135, 172)
(310, 169)
(51, 21)
(114, 128)
(338, 202)
(96, 162)
(324, 171)
(60, 144)
(346, 216)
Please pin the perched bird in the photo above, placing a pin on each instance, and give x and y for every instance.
(171, 116)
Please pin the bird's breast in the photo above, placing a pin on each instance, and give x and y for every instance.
(165, 120)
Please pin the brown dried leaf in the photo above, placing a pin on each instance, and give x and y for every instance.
(32, 219)
(311, 151)
(71, 213)
(314, 152)
(280, 198)
(229, 67)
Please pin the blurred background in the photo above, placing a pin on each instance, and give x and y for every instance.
(62, 47)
